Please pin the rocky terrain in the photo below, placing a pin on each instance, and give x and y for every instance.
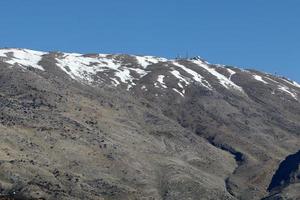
(105, 127)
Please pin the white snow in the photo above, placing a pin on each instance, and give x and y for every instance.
(160, 79)
(296, 84)
(222, 79)
(293, 83)
(141, 72)
(144, 88)
(23, 57)
(283, 88)
(115, 82)
(145, 61)
(81, 67)
(180, 85)
(231, 72)
(180, 77)
(124, 75)
(197, 77)
(259, 78)
(3, 53)
(272, 80)
(178, 92)
(286, 89)
(84, 68)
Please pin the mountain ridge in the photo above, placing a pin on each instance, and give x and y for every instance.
(104, 126)
(74, 60)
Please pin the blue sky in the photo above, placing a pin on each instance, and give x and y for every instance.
(264, 35)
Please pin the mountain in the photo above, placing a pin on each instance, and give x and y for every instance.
(101, 126)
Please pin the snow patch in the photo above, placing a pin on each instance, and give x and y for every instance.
(84, 68)
(79, 67)
(231, 72)
(23, 57)
(296, 84)
(180, 77)
(145, 61)
(286, 90)
(141, 72)
(144, 88)
(197, 77)
(180, 85)
(272, 80)
(259, 78)
(283, 88)
(293, 83)
(224, 81)
(115, 82)
(177, 91)
(160, 79)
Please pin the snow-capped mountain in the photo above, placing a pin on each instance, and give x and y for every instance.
(103, 126)
(129, 71)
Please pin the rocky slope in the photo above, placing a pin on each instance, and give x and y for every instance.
(100, 126)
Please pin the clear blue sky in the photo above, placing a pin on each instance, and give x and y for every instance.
(261, 34)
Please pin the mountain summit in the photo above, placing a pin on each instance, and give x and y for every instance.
(102, 126)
